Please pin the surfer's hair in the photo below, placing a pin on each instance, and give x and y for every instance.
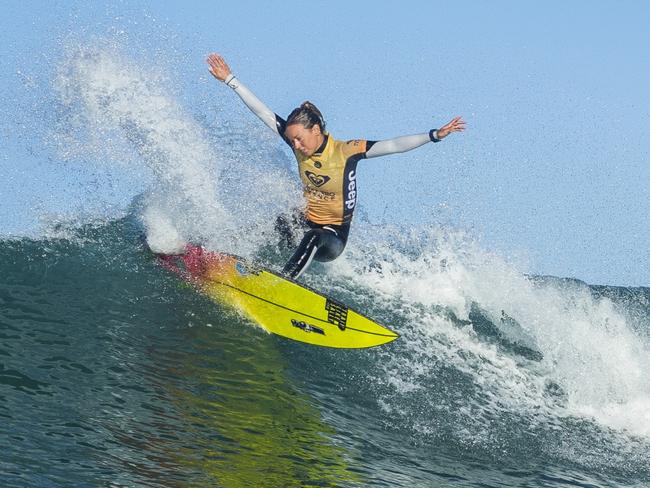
(307, 115)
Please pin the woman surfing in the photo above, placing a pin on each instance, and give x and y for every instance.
(327, 169)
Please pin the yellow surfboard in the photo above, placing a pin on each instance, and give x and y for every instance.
(277, 304)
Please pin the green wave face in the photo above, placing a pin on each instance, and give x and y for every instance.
(138, 380)
(113, 372)
(250, 425)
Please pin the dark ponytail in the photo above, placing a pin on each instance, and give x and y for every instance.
(307, 115)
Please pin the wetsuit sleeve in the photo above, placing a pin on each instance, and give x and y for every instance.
(272, 120)
(399, 144)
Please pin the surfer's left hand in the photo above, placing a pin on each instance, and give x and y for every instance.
(218, 67)
(456, 125)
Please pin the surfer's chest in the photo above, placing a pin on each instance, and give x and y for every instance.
(322, 174)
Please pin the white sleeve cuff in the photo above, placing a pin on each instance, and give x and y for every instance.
(231, 81)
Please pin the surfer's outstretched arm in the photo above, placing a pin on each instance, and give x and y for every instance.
(407, 143)
(221, 71)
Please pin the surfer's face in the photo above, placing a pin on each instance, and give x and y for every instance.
(304, 140)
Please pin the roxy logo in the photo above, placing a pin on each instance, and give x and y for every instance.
(352, 191)
(317, 180)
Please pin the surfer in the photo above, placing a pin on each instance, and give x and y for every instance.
(327, 169)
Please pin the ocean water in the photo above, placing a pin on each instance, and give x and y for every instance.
(112, 373)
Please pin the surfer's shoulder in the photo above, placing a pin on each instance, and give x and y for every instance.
(355, 146)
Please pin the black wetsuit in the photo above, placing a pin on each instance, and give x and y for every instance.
(322, 242)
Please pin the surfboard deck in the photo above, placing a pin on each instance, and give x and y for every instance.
(277, 304)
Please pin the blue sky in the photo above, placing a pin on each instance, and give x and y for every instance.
(553, 165)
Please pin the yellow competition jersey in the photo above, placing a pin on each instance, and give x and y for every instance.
(329, 180)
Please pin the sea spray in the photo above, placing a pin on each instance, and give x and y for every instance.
(489, 355)
(116, 101)
(203, 189)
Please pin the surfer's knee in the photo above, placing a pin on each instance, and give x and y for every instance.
(321, 244)
(330, 246)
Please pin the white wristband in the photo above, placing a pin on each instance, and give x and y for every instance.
(231, 81)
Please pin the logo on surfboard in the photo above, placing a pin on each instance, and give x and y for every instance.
(307, 327)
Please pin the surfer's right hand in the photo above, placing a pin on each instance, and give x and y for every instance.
(457, 124)
(218, 66)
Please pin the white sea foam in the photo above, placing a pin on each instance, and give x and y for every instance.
(118, 111)
(595, 358)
